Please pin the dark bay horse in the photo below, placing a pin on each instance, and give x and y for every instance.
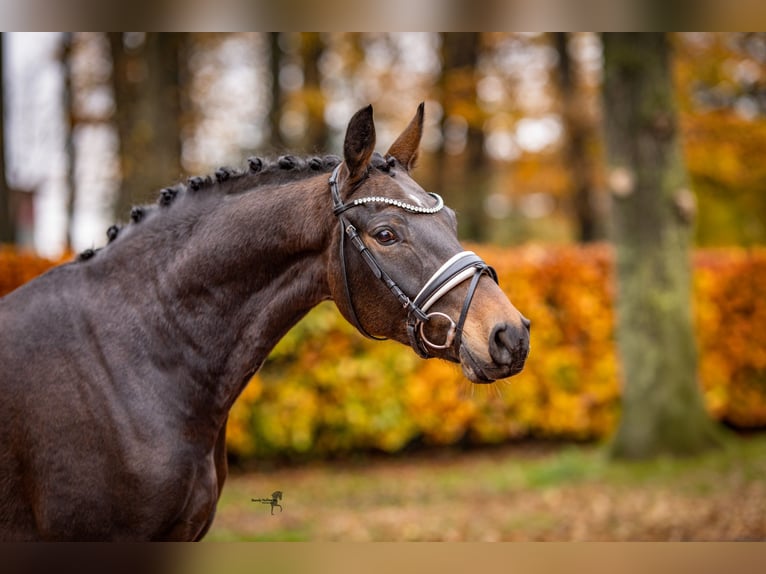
(118, 370)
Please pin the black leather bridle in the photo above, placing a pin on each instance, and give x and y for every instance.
(459, 268)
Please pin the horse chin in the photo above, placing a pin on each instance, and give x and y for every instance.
(472, 369)
(481, 373)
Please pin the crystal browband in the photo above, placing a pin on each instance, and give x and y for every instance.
(401, 204)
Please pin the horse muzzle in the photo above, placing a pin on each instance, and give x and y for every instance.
(505, 356)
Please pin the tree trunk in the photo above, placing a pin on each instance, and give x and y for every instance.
(579, 146)
(463, 182)
(663, 410)
(7, 234)
(146, 92)
(317, 134)
(277, 143)
(67, 44)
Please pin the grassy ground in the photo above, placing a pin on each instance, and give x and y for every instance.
(513, 493)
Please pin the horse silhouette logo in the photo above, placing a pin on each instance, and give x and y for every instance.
(276, 496)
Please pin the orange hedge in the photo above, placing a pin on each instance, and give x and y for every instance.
(730, 315)
(18, 267)
(325, 390)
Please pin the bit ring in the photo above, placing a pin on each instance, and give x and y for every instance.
(449, 339)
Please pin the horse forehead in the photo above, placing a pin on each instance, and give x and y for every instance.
(403, 187)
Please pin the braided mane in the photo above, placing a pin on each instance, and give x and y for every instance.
(225, 180)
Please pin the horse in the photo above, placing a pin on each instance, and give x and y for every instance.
(119, 368)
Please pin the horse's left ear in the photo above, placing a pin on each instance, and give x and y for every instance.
(405, 148)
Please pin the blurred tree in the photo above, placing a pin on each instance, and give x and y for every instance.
(579, 146)
(67, 43)
(464, 182)
(277, 98)
(297, 111)
(317, 134)
(663, 411)
(7, 234)
(146, 77)
(721, 83)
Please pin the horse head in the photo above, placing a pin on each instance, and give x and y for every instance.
(398, 271)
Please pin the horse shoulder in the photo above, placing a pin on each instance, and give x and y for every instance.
(90, 451)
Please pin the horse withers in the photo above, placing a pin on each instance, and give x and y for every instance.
(119, 369)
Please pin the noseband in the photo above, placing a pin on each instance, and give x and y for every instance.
(459, 268)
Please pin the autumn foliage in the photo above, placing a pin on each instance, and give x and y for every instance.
(18, 267)
(325, 390)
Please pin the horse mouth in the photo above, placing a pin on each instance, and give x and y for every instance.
(481, 373)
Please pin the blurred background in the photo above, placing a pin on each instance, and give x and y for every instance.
(367, 441)
(513, 136)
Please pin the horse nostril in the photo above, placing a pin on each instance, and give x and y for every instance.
(526, 322)
(508, 344)
(500, 344)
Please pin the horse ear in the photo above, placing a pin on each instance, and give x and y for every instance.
(405, 148)
(359, 143)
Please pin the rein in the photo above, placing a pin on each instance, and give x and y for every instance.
(459, 268)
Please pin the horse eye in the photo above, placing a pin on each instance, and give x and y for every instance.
(385, 237)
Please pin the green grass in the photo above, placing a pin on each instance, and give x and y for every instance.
(573, 465)
(508, 493)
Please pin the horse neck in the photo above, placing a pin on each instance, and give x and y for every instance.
(253, 265)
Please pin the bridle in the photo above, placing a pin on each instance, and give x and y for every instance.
(459, 268)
